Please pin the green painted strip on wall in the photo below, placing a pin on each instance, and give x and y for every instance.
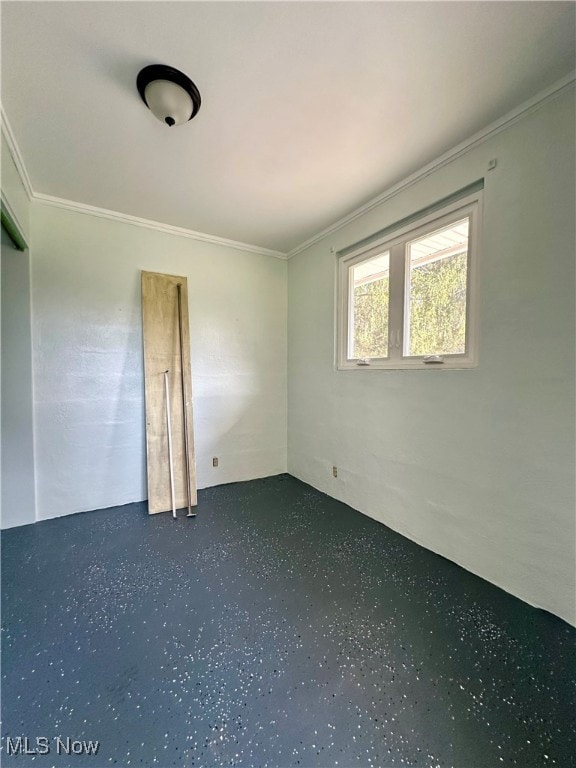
(12, 229)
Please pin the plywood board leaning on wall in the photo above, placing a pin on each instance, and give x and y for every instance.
(162, 353)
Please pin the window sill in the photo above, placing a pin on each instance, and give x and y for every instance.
(449, 364)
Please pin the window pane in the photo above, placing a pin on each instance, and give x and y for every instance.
(369, 286)
(435, 315)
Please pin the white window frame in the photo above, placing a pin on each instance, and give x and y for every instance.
(396, 242)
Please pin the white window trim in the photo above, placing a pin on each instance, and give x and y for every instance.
(470, 206)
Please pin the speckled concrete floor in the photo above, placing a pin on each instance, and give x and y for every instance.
(279, 628)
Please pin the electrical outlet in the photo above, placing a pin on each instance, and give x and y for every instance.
(335, 471)
(215, 461)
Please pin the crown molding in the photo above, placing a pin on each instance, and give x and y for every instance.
(105, 213)
(474, 141)
(16, 154)
(12, 225)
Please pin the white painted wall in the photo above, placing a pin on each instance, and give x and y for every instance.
(88, 370)
(477, 465)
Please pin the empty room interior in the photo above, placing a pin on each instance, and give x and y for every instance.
(288, 384)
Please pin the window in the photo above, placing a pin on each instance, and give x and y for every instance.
(408, 300)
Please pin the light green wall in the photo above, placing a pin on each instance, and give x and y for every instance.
(477, 465)
(88, 363)
(17, 484)
(17, 430)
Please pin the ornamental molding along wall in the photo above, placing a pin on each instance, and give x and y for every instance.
(467, 145)
(472, 142)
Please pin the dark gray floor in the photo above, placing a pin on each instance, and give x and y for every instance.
(279, 628)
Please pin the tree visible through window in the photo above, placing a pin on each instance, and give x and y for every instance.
(435, 316)
(371, 281)
(409, 302)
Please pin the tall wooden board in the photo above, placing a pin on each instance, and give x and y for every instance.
(162, 353)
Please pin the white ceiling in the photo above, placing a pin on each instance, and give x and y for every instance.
(309, 109)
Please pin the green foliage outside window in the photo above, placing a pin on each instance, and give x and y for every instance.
(438, 307)
(371, 319)
(437, 311)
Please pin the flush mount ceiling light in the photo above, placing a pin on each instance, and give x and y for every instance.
(169, 94)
